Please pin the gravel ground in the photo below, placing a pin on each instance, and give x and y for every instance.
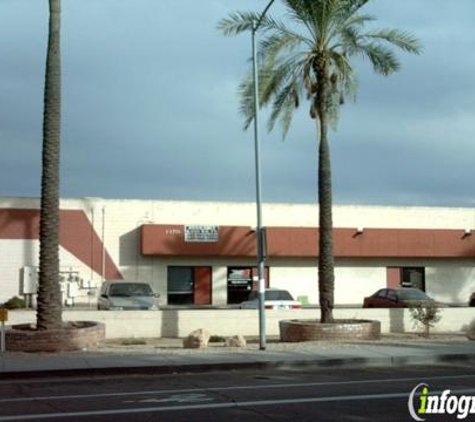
(175, 345)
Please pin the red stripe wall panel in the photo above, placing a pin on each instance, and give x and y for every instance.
(302, 242)
(76, 235)
(393, 275)
(202, 279)
(168, 240)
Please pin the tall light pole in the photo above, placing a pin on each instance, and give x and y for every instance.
(259, 229)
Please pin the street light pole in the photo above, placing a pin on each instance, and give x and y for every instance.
(259, 228)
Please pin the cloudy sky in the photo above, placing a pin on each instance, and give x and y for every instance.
(150, 108)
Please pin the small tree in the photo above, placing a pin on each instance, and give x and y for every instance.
(426, 315)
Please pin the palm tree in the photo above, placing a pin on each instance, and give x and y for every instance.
(311, 57)
(49, 294)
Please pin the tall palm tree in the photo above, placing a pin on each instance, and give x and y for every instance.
(49, 295)
(310, 56)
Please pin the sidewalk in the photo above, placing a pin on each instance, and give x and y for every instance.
(166, 356)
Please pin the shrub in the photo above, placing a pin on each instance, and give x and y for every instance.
(14, 303)
(133, 342)
(216, 339)
(425, 315)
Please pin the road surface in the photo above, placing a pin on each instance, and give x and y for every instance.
(366, 394)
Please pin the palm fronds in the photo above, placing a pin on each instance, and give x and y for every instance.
(325, 33)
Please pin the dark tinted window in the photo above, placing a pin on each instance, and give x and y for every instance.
(392, 295)
(412, 294)
(180, 280)
(413, 277)
(130, 289)
(382, 293)
(181, 285)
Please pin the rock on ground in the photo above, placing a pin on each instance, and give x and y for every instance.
(196, 339)
(236, 341)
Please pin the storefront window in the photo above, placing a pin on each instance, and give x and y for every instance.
(241, 283)
(413, 277)
(180, 285)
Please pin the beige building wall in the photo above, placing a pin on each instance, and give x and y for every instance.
(20, 256)
(451, 282)
(118, 222)
(14, 255)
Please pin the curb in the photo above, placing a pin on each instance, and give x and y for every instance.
(236, 366)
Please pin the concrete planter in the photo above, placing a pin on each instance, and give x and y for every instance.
(75, 335)
(295, 330)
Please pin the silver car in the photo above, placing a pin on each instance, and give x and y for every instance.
(126, 296)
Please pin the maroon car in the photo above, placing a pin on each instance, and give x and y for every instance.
(403, 297)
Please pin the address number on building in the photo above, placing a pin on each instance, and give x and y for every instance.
(201, 233)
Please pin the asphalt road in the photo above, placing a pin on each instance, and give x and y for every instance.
(364, 394)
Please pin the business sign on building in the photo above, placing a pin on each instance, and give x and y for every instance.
(239, 276)
(201, 234)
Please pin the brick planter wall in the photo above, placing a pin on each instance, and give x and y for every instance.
(308, 329)
(77, 335)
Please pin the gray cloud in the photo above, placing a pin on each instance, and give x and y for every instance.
(150, 108)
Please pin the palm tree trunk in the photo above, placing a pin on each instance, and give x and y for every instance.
(49, 295)
(326, 274)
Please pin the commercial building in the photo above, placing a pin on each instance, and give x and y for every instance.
(203, 253)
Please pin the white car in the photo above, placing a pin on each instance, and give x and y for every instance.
(274, 299)
(127, 295)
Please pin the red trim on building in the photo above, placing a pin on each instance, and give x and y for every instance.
(297, 242)
(19, 224)
(393, 275)
(76, 235)
(168, 240)
(79, 237)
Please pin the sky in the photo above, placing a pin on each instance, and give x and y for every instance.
(150, 108)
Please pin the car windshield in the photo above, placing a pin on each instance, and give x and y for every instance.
(130, 289)
(412, 294)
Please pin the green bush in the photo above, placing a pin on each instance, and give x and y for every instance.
(425, 315)
(216, 339)
(14, 303)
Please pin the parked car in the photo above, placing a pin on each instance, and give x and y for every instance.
(127, 295)
(471, 302)
(398, 298)
(274, 299)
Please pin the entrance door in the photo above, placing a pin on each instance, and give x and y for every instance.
(189, 285)
(202, 279)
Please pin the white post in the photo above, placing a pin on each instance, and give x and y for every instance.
(103, 243)
(259, 230)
